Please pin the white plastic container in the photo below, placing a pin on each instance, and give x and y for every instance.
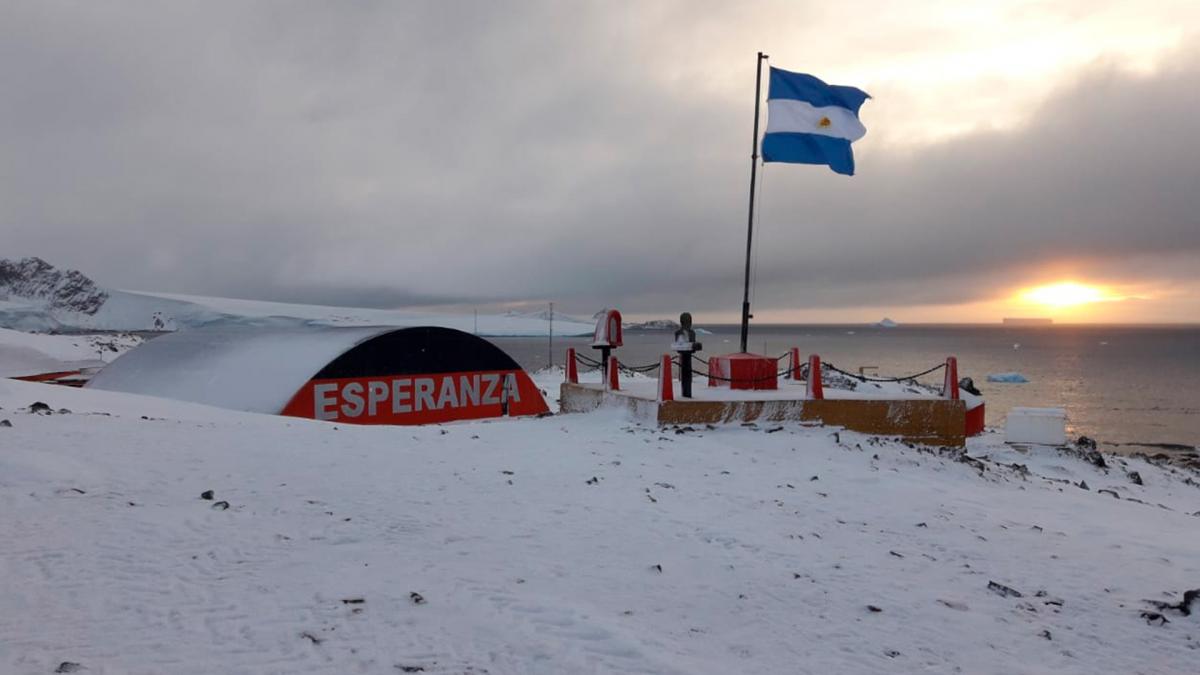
(1042, 426)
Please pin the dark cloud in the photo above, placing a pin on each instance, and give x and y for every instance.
(383, 154)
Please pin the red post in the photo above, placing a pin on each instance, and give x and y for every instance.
(666, 388)
(815, 390)
(950, 384)
(714, 368)
(571, 368)
(794, 373)
(613, 383)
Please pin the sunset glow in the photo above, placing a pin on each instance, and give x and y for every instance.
(1066, 294)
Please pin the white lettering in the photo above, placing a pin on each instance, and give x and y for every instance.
(424, 393)
(322, 401)
(447, 395)
(352, 393)
(399, 395)
(376, 393)
(511, 388)
(468, 389)
(409, 395)
(489, 394)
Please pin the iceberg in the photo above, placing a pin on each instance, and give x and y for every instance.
(1011, 378)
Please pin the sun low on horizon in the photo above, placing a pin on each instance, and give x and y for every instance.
(1066, 299)
(1066, 294)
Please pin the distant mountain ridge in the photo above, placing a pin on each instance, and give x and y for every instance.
(35, 296)
(61, 290)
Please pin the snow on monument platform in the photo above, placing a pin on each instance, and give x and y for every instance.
(924, 419)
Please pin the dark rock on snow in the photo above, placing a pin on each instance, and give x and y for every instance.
(1184, 606)
(1151, 617)
(1002, 590)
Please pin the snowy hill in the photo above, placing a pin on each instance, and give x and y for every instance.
(35, 296)
(572, 544)
(30, 354)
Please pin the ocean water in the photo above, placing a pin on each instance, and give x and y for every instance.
(1121, 385)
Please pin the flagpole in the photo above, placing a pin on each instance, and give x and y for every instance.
(750, 219)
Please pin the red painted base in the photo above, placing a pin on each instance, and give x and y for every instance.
(748, 371)
(975, 420)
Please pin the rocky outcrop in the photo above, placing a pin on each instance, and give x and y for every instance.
(60, 290)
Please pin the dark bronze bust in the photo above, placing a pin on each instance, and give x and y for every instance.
(686, 334)
(686, 345)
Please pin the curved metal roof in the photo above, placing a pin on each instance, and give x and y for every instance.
(249, 369)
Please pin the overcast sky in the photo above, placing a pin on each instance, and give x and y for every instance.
(595, 154)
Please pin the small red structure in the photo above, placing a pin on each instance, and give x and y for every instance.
(608, 332)
(49, 377)
(612, 382)
(974, 420)
(743, 371)
(607, 337)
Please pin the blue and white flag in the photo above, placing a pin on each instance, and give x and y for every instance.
(810, 122)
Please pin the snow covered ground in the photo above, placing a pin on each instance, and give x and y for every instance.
(570, 544)
(32, 354)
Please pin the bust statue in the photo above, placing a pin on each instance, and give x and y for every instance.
(685, 334)
(686, 345)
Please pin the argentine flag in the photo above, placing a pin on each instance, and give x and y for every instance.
(810, 122)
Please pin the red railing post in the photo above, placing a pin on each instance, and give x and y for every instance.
(613, 383)
(794, 371)
(571, 368)
(666, 388)
(950, 383)
(815, 390)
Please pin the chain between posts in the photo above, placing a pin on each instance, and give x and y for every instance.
(827, 366)
(596, 365)
(867, 378)
(586, 360)
(652, 367)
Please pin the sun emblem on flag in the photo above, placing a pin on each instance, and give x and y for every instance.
(825, 122)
